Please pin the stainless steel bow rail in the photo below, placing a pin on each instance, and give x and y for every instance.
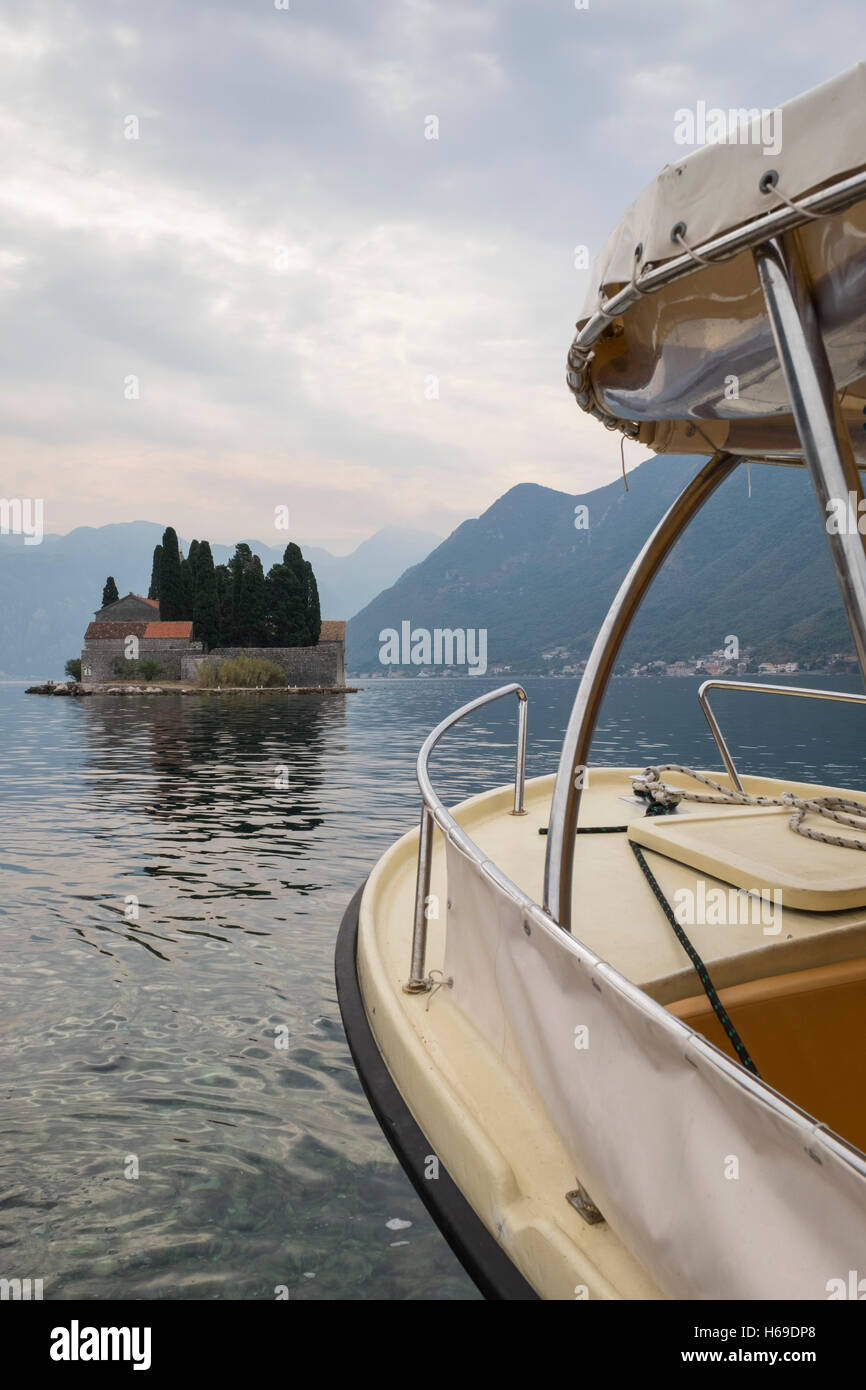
(801, 690)
(433, 810)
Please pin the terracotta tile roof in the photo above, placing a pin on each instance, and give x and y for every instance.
(97, 631)
(332, 631)
(183, 629)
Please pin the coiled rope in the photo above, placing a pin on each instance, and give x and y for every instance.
(844, 811)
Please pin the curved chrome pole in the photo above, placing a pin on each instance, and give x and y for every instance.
(433, 810)
(559, 863)
(823, 435)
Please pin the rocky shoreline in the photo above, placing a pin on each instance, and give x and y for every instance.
(58, 688)
(75, 688)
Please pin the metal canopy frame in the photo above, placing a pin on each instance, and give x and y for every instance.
(829, 458)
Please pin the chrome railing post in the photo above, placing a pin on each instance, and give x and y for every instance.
(432, 811)
(717, 734)
(417, 981)
(520, 763)
(803, 691)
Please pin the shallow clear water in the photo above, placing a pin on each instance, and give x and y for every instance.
(149, 1040)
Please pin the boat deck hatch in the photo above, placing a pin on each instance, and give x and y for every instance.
(756, 849)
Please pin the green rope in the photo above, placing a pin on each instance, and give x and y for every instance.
(594, 829)
(703, 975)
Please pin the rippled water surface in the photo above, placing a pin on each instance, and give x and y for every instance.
(169, 907)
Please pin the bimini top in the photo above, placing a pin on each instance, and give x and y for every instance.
(673, 345)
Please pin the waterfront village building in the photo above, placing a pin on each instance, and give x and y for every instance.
(171, 645)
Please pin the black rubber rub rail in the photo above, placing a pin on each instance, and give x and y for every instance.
(481, 1256)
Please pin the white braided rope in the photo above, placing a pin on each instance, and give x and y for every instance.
(836, 808)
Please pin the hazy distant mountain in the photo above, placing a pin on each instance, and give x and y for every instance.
(757, 567)
(49, 592)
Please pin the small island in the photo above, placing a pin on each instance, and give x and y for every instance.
(210, 628)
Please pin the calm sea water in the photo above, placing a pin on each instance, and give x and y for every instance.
(147, 1044)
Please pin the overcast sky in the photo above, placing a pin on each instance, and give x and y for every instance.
(284, 261)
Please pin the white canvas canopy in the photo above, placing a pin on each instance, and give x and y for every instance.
(679, 353)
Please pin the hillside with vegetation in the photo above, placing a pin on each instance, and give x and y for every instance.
(539, 569)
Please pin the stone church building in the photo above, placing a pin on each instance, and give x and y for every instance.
(106, 640)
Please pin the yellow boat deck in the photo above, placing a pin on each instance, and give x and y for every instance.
(787, 974)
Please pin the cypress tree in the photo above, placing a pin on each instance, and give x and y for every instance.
(109, 592)
(313, 612)
(255, 607)
(171, 598)
(241, 558)
(249, 619)
(187, 585)
(285, 607)
(192, 561)
(306, 623)
(206, 609)
(224, 599)
(153, 591)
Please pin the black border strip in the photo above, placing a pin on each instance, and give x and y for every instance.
(481, 1256)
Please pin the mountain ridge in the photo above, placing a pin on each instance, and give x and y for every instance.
(754, 563)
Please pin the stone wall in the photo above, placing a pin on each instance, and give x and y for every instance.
(321, 665)
(98, 656)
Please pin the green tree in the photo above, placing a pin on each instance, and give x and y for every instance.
(109, 592)
(187, 586)
(73, 668)
(296, 620)
(225, 598)
(285, 607)
(206, 608)
(171, 597)
(153, 591)
(249, 618)
(312, 609)
(192, 562)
